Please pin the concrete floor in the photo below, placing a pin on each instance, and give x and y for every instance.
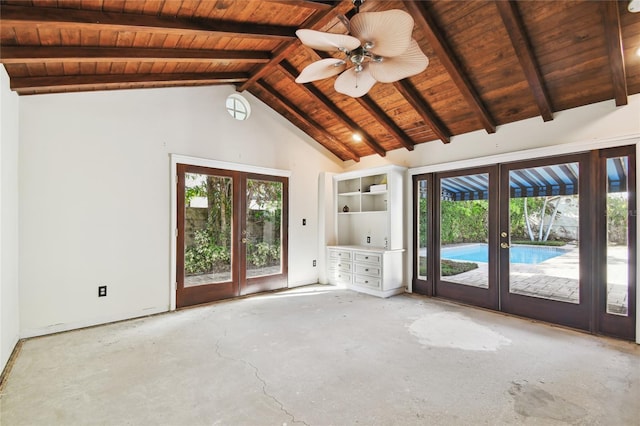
(324, 356)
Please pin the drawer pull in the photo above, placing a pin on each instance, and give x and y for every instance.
(366, 270)
(339, 264)
(366, 257)
(366, 282)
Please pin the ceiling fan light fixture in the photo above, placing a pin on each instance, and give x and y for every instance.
(380, 48)
(355, 83)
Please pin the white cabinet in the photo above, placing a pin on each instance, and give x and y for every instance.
(373, 271)
(369, 208)
(369, 231)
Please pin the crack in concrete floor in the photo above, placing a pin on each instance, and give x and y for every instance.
(261, 380)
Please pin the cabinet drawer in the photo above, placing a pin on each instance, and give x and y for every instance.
(339, 277)
(368, 257)
(342, 266)
(366, 281)
(370, 270)
(340, 255)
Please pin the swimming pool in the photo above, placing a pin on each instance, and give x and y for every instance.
(518, 254)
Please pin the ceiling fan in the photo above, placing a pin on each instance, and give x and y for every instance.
(379, 49)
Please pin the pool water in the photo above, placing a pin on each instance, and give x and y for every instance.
(518, 254)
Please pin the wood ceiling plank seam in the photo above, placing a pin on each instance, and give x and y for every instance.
(306, 119)
(448, 59)
(332, 107)
(315, 21)
(23, 15)
(408, 91)
(524, 51)
(613, 36)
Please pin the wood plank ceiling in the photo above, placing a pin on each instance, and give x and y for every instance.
(491, 62)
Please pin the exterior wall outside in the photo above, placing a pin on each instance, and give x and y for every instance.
(9, 314)
(95, 195)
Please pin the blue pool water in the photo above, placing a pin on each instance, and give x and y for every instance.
(518, 254)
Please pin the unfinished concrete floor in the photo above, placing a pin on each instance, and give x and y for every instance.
(324, 356)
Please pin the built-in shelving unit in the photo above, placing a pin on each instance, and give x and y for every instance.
(369, 231)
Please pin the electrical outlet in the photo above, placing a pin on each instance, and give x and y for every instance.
(102, 291)
(368, 240)
(314, 262)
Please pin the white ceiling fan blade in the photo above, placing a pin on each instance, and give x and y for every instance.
(354, 84)
(411, 62)
(323, 68)
(389, 31)
(327, 42)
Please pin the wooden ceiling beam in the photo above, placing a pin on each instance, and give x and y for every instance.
(613, 35)
(304, 3)
(304, 118)
(113, 80)
(522, 46)
(315, 22)
(448, 59)
(40, 54)
(289, 69)
(385, 121)
(71, 18)
(421, 106)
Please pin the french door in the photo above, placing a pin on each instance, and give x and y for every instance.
(551, 239)
(232, 234)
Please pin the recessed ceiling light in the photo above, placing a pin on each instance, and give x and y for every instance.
(356, 137)
(634, 6)
(638, 51)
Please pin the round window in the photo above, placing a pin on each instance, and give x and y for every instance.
(238, 107)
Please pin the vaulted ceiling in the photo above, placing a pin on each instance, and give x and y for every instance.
(491, 62)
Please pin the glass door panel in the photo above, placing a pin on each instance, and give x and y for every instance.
(617, 247)
(466, 219)
(264, 234)
(422, 240)
(617, 283)
(542, 259)
(207, 228)
(263, 228)
(464, 230)
(544, 224)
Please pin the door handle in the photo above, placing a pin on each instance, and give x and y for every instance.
(504, 245)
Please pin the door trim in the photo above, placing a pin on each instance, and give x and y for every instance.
(173, 226)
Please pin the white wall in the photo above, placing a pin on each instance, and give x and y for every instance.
(9, 315)
(95, 195)
(590, 123)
